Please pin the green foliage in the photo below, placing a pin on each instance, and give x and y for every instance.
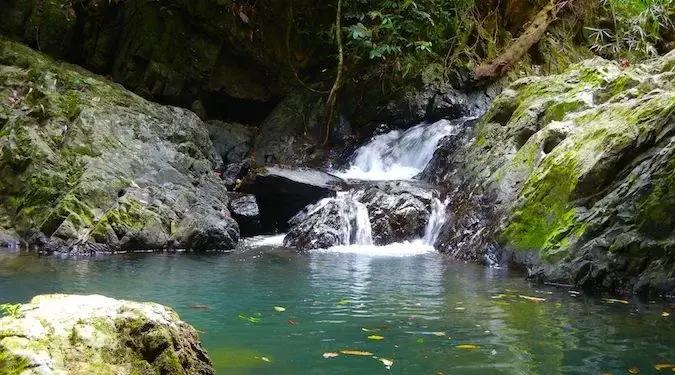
(633, 28)
(13, 310)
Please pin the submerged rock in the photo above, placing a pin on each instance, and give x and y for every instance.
(578, 169)
(88, 166)
(78, 335)
(283, 192)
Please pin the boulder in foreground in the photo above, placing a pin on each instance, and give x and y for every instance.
(73, 334)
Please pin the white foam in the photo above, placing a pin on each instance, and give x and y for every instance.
(258, 241)
(397, 249)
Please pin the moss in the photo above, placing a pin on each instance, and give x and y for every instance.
(11, 364)
(656, 211)
(558, 111)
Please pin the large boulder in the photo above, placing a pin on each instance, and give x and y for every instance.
(373, 213)
(88, 166)
(82, 335)
(577, 169)
(244, 209)
(282, 192)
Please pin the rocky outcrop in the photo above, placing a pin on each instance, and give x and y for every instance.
(244, 209)
(87, 166)
(372, 213)
(577, 168)
(283, 192)
(78, 335)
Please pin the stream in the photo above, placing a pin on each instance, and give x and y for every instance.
(405, 308)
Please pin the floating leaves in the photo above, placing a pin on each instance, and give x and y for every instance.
(330, 354)
(248, 318)
(612, 301)
(665, 314)
(533, 299)
(355, 352)
(467, 346)
(420, 341)
(439, 334)
(375, 337)
(633, 370)
(292, 323)
(279, 309)
(366, 330)
(663, 366)
(264, 359)
(386, 362)
(344, 302)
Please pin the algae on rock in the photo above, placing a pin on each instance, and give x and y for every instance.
(94, 167)
(75, 334)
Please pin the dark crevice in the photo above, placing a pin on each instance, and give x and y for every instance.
(226, 108)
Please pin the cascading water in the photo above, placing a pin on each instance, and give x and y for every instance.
(355, 222)
(399, 155)
(437, 219)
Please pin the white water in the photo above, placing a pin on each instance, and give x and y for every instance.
(396, 249)
(356, 228)
(399, 155)
(437, 219)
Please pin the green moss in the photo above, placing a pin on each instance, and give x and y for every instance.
(657, 209)
(11, 364)
(558, 111)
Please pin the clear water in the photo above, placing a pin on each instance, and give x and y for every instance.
(406, 294)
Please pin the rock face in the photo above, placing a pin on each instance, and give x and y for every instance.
(283, 192)
(78, 335)
(88, 166)
(245, 211)
(578, 169)
(379, 213)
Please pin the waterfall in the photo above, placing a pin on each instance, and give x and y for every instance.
(353, 216)
(399, 155)
(437, 219)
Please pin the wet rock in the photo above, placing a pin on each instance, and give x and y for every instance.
(85, 162)
(235, 173)
(283, 192)
(571, 170)
(73, 334)
(10, 239)
(245, 211)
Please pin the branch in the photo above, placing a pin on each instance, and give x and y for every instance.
(332, 97)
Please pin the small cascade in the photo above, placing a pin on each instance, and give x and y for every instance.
(354, 222)
(363, 232)
(437, 219)
(399, 155)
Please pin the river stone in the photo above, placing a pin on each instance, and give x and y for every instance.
(577, 170)
(245, 211)
(93, 167)
(282, 192)
(82, 335)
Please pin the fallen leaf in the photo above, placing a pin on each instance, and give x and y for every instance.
(439, 334)
(366, 330)
(386, 362)
(663, 366)
(665, 314)
(292, 322)
(612, 300)
(467, 346)
(244, 17)
(633, 370)
(266, 359)
(460, 308)
(344, 302)
(330, 354)
(420, 341)
(250, 319)
(498, 296)
(375, 337)
(533, 299)
(279, 309)
(199, 307)
(355, 352)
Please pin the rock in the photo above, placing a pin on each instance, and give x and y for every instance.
(232, 141)
(87, 166)
(235, 173)
(373, 213)
(283, 192)
(10, 239)
(59, 334)
(573, 170)
(245, 211)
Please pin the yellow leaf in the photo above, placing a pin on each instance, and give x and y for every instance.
(366, 330)
(634, 370)
(662, 366)
(439, 334)
(612, 300)
(266, 359)
(344, 302)
(355, 352)
(460, 308)
(533, 299)
(330, 354)
(665, 314)
(498, 296)
(375, 337)
(386, 362)
(467, 346)
(279, 309)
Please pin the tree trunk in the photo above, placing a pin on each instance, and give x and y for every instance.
(515, 51)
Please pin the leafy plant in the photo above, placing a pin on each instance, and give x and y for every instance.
(13, 310)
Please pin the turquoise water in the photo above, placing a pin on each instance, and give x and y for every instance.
(424, 306)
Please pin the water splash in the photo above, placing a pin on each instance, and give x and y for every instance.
(396, 249)
(437, 219)
(399, 155)
(353, 215)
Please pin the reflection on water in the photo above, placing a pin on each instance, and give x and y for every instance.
(423, 305)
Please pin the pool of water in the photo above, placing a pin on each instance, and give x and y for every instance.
(433, 315)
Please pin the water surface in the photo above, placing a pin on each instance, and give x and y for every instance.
(421, 303)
